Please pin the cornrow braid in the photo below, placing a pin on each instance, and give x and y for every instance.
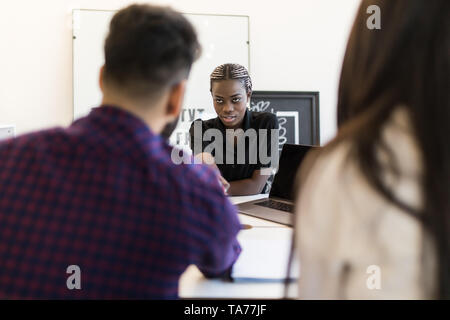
(232, 71)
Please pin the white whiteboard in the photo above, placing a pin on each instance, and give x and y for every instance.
(224, 39)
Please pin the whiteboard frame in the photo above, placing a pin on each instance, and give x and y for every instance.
(109, 10)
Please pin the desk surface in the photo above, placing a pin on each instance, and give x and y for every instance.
(194, 285)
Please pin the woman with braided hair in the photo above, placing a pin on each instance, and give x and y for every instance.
(231, 90)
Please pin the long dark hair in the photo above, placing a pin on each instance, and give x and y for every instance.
(406, 62)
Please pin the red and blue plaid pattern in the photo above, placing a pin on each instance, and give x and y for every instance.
(104, 195)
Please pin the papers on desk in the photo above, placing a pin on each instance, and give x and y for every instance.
(265, 254)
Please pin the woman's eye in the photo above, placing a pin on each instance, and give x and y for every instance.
(236, 100)
(219, 100)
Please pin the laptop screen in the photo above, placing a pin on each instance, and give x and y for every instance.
(290, 159)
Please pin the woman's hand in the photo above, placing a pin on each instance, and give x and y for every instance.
(206, 158)
(225, 184)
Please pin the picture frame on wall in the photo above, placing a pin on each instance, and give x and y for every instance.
(298, 114)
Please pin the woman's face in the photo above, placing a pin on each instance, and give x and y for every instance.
(230, 101)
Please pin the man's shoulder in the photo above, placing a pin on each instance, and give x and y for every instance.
(52, 144)
(35, 140)
(195, 176)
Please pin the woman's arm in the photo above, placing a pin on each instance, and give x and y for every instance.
(249, 186)
(243, 187)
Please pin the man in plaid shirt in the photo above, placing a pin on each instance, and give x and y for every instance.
(99, 210)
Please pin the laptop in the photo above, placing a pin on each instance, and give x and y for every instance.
(279, 207)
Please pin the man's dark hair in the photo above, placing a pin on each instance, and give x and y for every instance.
(149, 48)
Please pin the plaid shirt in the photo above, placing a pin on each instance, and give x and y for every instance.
(105, 196)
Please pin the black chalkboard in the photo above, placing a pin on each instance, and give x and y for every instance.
(297, 112)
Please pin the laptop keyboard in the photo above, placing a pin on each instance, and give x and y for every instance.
(276, 205)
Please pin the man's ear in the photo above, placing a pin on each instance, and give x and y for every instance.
(100, 78)
(176, 97)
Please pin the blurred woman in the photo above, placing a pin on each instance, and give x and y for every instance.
(373, 211)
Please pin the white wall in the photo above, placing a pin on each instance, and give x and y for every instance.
(295, 45)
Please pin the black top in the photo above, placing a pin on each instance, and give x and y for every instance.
(230, 169)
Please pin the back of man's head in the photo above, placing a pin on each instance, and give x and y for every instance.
(148, 49)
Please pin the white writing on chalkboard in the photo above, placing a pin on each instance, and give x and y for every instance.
(282, 130)
(264, 106)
